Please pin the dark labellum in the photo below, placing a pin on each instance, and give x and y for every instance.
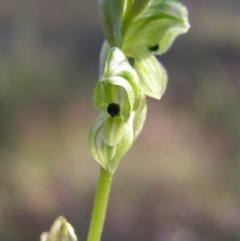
(154, 48)
(113, 109)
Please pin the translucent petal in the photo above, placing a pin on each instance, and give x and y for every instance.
(113, 131)
(102, 153)
(102, 96)
(109, 156)
(139, 6)
(140, 116)
(118, 71)
(152, 75)
(135, 7)
(172, 33)
(124, 145)
(125, 100)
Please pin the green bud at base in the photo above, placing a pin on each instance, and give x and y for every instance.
(61, 230)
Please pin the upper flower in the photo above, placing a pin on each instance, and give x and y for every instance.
(149, 24)
(142, 29)
(157, 26)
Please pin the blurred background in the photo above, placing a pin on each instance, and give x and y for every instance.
(181, 179)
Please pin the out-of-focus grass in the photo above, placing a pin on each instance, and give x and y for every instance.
(180, 180)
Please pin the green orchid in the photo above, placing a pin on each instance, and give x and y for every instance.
(145, 28)
(136, 30)
(141, 29)
(118, 95)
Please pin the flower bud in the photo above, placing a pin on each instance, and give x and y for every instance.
(61, 230)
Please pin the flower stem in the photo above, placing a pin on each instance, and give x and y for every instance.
(100, 206)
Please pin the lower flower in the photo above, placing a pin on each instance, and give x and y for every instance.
(108, 156)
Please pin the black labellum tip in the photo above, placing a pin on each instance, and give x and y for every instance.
(154, 48)
(113, 109)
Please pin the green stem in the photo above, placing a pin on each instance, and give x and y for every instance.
(100, 206)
